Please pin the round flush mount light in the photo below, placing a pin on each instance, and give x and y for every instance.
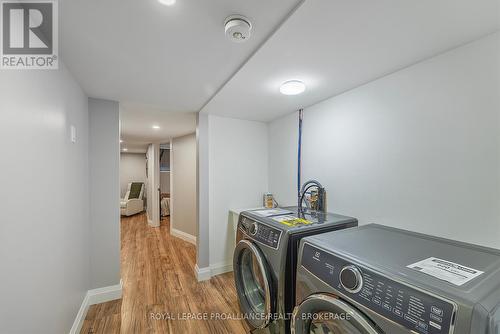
(292, 87)
(237, 28)
(167, 2)
(156, 127)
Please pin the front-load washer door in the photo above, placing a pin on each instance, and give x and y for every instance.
(325, 314)
(253, 284)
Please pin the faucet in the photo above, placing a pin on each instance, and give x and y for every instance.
(317, 198)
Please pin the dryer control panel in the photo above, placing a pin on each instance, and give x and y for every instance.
(415, 310)
(260, 232)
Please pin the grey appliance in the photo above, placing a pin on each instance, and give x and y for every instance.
(375, 279)
(265, 262)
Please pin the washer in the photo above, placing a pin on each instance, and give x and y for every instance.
(375, 279)
(265, 262)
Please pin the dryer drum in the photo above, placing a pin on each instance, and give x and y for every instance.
(252, 284)
(325, 314)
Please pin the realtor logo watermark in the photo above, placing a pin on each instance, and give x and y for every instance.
(29, 34)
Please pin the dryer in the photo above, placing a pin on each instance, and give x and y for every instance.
(375, 279)
(265, 262)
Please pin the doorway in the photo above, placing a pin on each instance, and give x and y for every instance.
(165, 181)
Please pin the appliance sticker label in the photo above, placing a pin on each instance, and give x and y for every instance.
(445, 270)
(291, 221)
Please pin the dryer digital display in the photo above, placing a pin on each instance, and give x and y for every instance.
(262, 233)
(409, 307)
(268, 236)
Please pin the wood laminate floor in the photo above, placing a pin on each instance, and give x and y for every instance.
(160, 290)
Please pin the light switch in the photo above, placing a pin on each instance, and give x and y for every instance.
(73, 134)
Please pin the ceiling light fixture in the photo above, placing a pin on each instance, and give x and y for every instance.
(156, 127)
(121, 141)
(292, 87)
(167, 2)
(125, 149)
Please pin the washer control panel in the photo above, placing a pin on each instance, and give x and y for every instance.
(262, 233)
(409, 307)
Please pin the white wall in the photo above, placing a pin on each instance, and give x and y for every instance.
(238, 160)
(149, 184)
(418, 149)
(132, 169)
(44, 229)
(203, 193)
(104, 153)
(152, 185)
(183, 199)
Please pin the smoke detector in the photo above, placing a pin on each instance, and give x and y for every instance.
(237, 28)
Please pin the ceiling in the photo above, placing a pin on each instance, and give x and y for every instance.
(336, 45)
(136, 124)
(177, 58)
(173, 57)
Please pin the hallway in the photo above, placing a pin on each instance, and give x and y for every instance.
(160, 290)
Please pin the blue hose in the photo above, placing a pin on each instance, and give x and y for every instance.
(299, 159)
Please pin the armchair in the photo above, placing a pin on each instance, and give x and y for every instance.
(133, 202)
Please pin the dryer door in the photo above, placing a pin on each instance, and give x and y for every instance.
(253, 283)
(324, 314)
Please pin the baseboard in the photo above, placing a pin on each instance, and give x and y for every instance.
(92, 297)
(202, 274)
(106, 294)
(80, 316)
(220, 268)
(183, 235)
(151, 224)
